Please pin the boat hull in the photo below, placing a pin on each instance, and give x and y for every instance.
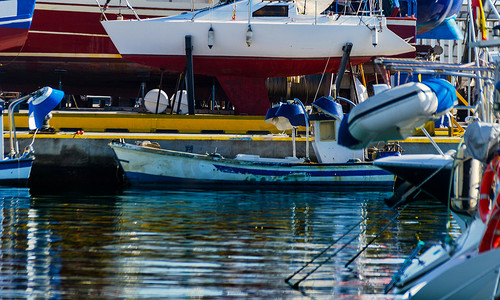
(286, 50)
(15, 21)
(15, 172)
(470, 276)
(277, 48)
(150, 166)
(12, 37)
(416, 168)
(67, 44)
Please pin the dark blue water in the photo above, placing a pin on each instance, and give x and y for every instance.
(205, 244)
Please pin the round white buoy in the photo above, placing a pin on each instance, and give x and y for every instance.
(183, 109)
(151, 99)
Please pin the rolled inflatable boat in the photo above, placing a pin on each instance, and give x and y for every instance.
(394, 114)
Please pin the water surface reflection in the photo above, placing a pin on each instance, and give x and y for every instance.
(195, 243)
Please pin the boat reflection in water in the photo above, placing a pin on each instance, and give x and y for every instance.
(195, 243)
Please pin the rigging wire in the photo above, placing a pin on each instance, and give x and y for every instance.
(296, 284)
(321, 80)
(393, 218)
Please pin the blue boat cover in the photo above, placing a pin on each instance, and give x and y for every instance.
(329, 107)
(43, 101)
(271, 113)
(294, 113)
(497, 86)
(445, 92)
(345, 138)
(448, 30)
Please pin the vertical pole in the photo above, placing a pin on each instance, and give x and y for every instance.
(159, 92)
(143, 93)
(189, 75)
(343, 64)
(213, 97)
(1, 130)
(307, 140)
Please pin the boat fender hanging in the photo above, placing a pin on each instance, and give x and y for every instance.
(249, 35)
(486, 186)
(211, 37)
(374, 37)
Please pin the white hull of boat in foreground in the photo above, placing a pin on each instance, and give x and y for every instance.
(15, 171)
(470, 276)
(146, 165)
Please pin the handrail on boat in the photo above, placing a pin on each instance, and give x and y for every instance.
(103, 9)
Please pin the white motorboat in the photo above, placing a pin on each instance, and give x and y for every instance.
(339, 167)
(245, 42)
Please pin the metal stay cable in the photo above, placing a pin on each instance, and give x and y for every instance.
(321, 80)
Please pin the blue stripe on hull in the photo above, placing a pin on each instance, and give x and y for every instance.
(10, 167)
(15, 164)
(147, 179)
(261, 172)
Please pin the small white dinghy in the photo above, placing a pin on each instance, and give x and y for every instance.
(395, 113)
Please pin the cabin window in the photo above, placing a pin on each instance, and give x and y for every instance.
(271, 11)
(327, 131)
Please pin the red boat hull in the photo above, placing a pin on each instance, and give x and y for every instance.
(70, 47)
(12, 38)
(245, 66)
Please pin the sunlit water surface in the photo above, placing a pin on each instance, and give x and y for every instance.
(207, 244)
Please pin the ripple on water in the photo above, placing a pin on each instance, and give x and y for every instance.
(193, 243)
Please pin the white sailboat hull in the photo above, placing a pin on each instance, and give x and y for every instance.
(271, 39)
(243, 49)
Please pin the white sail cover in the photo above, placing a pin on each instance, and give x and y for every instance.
(482, 139)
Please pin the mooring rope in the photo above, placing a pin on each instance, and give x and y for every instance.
(296, 284)
(393, 218)
(376, 236)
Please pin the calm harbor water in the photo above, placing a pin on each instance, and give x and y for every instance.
(205, 244)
